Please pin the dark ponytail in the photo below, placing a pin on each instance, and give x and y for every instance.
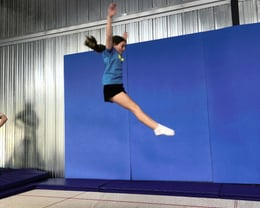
(91, 42)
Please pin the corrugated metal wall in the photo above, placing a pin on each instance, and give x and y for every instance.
(36, 34)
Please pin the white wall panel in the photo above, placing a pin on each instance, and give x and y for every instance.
(222, 16)
(160, 28)
(133, 32)
(146, 30)
(132, 6)
(175, 25)
(190, 22)
(145, 5)
(206, 19)
(249, 11)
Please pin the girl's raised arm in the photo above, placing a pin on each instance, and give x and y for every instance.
(109, 33)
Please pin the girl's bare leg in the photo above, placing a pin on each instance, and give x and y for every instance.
(126, 102)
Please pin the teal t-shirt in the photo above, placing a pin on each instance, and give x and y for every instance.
(113, 67)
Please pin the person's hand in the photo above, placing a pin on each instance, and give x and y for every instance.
(125, 35)
(3, 119)
(112, 9)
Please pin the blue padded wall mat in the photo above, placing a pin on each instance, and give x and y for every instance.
(97, 136)
(167, 78)
(233, 83)
(203, 85)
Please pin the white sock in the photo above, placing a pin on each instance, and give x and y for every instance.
(163, 130)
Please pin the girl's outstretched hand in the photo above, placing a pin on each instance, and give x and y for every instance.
(112, 9)
(125, 35)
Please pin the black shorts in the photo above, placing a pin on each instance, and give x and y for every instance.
(112, 90)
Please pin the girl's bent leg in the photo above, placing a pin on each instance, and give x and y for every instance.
(126, 102)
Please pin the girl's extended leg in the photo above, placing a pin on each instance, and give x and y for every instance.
(125, 101)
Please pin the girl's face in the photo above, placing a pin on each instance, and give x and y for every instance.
(120, 47)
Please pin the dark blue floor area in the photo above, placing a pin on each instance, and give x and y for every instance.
(192, 189)
(13, 181)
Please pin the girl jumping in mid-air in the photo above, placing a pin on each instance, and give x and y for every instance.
(112, 77)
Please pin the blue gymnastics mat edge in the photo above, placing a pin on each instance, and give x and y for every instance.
(14, 181)
(170, 188)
